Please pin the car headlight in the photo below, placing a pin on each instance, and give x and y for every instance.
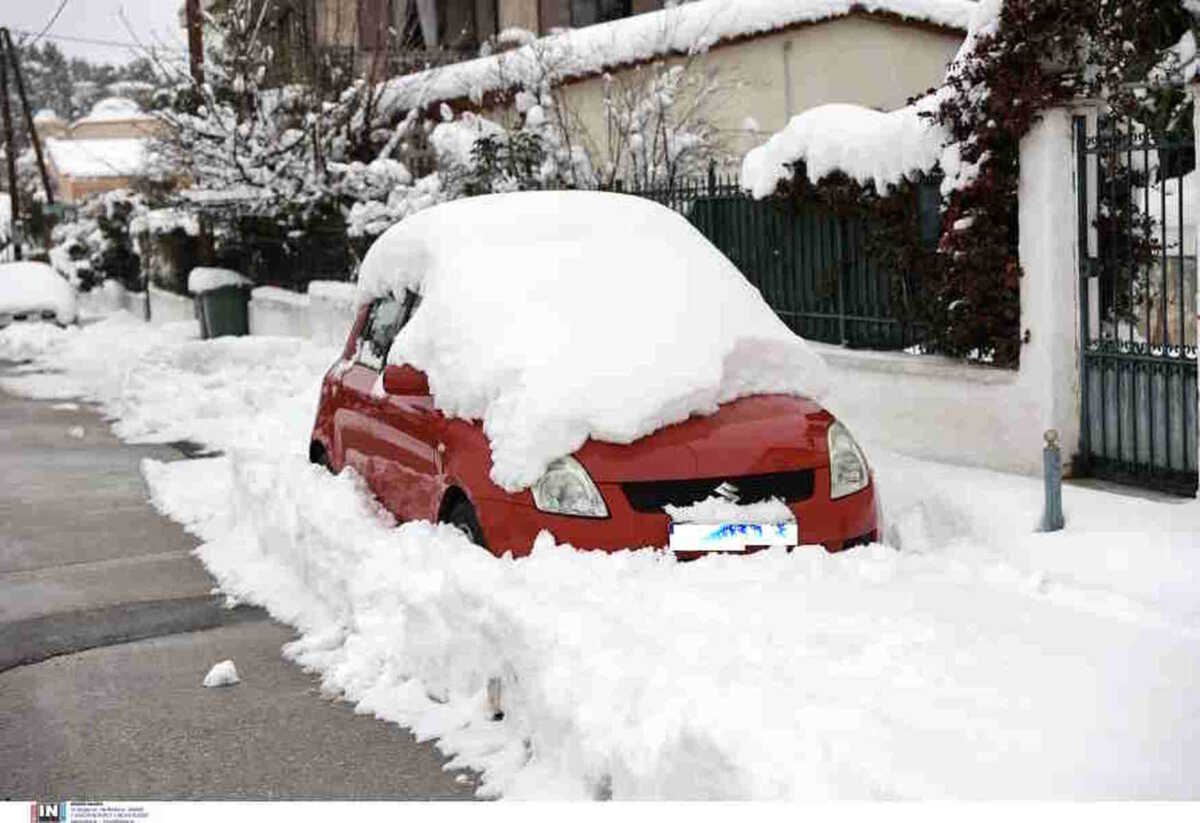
(566, 488)
(848, 472)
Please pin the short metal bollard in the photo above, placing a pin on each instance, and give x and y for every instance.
(1052, 514)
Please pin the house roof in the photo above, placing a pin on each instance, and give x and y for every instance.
(689, 28)
(113, 157)
(114, 109)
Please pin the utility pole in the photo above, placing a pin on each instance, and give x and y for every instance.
(33, 135)
(195, 27)
(10, 151)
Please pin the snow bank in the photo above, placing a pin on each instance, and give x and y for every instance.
(160, 384)
(953, 669)
(222, 674)
(203, 278)
(567, 315)
(981, 661)
(869, 146)
(35, 287)
(681, 30)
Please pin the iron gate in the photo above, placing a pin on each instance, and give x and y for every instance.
(1137, 313)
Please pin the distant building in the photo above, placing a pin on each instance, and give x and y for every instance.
(49, 124)
(102, 151)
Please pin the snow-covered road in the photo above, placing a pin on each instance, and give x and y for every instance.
(981, 660)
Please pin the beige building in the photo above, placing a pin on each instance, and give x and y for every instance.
(102, 151)
(770, 60)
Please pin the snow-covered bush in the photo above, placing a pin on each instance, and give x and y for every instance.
(98, 245)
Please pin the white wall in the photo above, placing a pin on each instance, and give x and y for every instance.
(936, 408)
(279, 313)
(324, 314)
(165, 306)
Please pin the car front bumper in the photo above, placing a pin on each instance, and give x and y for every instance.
(511, 525)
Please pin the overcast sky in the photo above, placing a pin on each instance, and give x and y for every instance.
(154, 22)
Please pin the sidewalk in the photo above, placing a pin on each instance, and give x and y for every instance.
(86, 563)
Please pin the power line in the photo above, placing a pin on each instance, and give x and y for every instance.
(53, 20)
(94, 41)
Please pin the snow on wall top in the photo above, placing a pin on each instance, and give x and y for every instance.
(553, 317)
(687, 28)
(46, 116)
(114, 108)
(114, 157)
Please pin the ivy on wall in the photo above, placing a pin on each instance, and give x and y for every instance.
(963, 291)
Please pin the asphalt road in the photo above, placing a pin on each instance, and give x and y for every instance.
(108, 626)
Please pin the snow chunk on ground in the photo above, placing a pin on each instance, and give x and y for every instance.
(76, 432)
(867, 145)
(720, 510)
(558, 316)
(203, 278)
(35, 287)
(222, 674)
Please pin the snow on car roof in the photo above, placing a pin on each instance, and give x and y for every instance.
(553, 317)
(30, 286)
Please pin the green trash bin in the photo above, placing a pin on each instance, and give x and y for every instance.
(224, 312)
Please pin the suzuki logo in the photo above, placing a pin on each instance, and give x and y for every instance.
(728, 491)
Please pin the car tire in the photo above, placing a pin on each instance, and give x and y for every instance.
(462, 516)
(319, 457)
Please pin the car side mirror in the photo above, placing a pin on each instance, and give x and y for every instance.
(404, 380)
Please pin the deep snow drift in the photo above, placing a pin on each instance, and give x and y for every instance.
(562, 315)
(981, 660)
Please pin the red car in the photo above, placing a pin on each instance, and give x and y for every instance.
(424, 466)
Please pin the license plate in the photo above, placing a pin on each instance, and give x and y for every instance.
(731, 537)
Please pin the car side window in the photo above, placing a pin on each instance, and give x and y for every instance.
(387, 317)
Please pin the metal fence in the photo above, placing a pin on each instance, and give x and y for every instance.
(810, 264)
(1137, 284)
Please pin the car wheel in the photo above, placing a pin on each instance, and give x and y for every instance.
(319, 457)
(462, 516)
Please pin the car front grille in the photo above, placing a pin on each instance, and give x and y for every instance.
(652, 495)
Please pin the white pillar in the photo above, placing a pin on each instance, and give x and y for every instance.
(1194, 219)
(1049, 252)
